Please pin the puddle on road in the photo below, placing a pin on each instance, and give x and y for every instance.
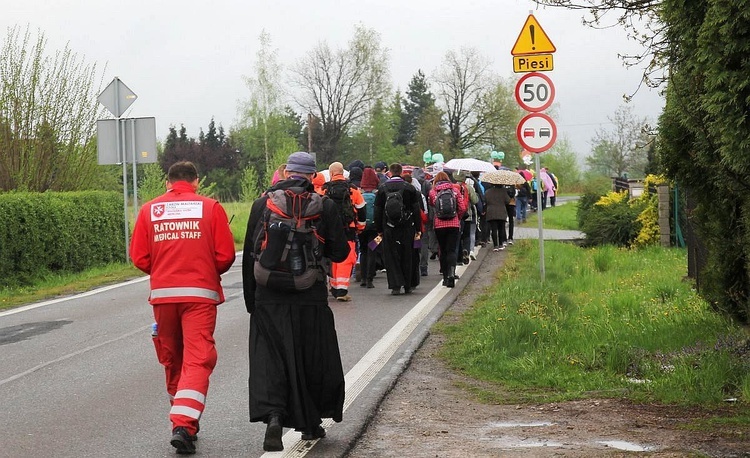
(627, 446)
(516, 424)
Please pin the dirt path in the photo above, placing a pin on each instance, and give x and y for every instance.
(428, 414)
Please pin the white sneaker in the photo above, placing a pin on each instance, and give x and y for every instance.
(510, 242)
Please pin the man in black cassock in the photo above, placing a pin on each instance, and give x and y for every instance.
(296, 377)
(398, 239)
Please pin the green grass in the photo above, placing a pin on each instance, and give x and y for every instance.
(606, 322)
(558, 217)
(61, 284)
(238, 213)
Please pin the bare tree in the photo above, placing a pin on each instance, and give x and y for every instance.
(640, 18)
(463, 83)
(623, 149)
(340, 87)
(48, 113)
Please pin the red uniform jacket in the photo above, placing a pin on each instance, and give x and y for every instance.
(183, 241)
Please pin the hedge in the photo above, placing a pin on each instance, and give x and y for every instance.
(58, 231)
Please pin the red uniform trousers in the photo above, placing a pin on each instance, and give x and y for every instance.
(186, 348)
(341, 272)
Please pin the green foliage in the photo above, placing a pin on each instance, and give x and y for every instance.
(563, 162)
(152, 182)
(374, 141)
(704, 143)
(58, 232)
(250, 188)
(613, 219)
(48, 112)
(606, 322)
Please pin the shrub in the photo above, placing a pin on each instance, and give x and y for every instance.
(69, 231)
(612, 220)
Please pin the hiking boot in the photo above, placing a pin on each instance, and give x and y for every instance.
(317, 433)
(407, 290)
(182, 441)
(396, 291)
(369, 284)
(423, 271)
(346, 298)
(433, 256)
(272, 442)
(465, 257)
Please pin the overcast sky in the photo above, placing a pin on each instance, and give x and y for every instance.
(186, 59)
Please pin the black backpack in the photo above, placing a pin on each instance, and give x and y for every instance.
(339, 192)
(446, 205)
(394, 209)
(286, 249)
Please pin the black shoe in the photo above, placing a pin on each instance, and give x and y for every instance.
(423, 271)
(272, 442)
(407, 290)
(396, 291)
(182, 441)
(433, 256)
(318, 433)
(450, 282)
(363, 284)
(465, 257)
(369, 284)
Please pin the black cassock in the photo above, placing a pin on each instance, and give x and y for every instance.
(400, 257)
(295, 363)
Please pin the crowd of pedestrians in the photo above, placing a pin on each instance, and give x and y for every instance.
(308, 234)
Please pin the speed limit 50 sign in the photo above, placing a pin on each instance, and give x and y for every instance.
(535, 92)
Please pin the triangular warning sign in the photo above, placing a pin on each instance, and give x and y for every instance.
(532, 39)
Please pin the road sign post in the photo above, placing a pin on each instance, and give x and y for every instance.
(115, 135)
(535, 92)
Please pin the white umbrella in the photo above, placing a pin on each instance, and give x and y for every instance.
(469, 164)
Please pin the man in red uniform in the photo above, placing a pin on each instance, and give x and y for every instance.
(183, 241)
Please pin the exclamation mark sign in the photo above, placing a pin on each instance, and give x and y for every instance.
(531, 31)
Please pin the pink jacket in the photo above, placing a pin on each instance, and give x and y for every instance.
(461, 205)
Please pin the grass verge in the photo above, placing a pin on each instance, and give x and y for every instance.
(562, 216)
(607, 322)
(62, 284)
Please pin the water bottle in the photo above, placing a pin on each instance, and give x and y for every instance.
(154, 332)
(295, 260)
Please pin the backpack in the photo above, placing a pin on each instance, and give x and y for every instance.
(286, 248)
(369, 197)
(395, 212)
(339, 192)
(446, 205)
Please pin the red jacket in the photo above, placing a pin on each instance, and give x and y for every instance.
(183, 241)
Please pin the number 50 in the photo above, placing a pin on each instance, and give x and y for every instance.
(541, 93)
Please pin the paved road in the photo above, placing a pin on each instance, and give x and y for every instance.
(79, 378)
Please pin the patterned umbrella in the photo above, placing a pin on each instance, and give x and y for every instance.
(503, 177)
(469, 164)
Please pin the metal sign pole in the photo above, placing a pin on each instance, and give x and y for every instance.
(122, 156)
(135, 172)
(539, 215)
